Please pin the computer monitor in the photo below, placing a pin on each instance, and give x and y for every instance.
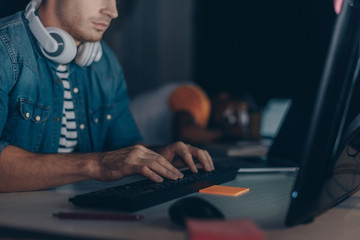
(330, 160)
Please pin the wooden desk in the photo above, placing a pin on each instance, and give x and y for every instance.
(266, 204)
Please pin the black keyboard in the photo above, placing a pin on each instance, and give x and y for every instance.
(146, 193)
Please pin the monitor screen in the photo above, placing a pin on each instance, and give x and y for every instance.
(329, 160)
(272, 116)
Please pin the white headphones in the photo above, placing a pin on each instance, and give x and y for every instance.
(59, 46)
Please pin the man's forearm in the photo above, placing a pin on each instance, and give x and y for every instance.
(21, 170)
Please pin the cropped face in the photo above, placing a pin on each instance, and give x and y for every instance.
(86, 20)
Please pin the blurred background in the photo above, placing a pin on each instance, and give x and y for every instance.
(266, 48)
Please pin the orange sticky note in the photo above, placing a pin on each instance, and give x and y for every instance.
(224, 190)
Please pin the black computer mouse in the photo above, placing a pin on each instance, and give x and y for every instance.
(193, 207)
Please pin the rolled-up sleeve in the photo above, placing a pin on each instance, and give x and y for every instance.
(6, 83)
(3, 116)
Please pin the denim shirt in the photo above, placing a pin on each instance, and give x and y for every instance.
(31, 97)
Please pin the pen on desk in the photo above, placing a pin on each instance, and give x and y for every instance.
(99, 216)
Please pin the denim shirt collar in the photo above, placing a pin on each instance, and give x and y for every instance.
(34, 42)
(38, 52)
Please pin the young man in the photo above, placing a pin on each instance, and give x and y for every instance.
(64, 120)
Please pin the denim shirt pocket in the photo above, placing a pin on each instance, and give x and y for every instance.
(34, 112)
(28, 122)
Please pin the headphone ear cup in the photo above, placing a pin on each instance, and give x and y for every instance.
(66, 51)
(88, 53)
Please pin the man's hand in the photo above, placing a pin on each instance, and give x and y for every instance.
(141, 160)
(135, 160)
(181, 154)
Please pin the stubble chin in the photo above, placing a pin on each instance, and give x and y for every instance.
(88, 36)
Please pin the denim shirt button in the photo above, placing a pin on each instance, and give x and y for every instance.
(56, 119)
(76, 90)
(82, 126)
(108, 117)
(96, 120)
(38, 118)
(58, 80)
(27, 115)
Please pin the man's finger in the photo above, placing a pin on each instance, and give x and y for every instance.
(203, 158)
(162, 166)
(162, 171)
(148, 173)
(210, 160)
(186, 155)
